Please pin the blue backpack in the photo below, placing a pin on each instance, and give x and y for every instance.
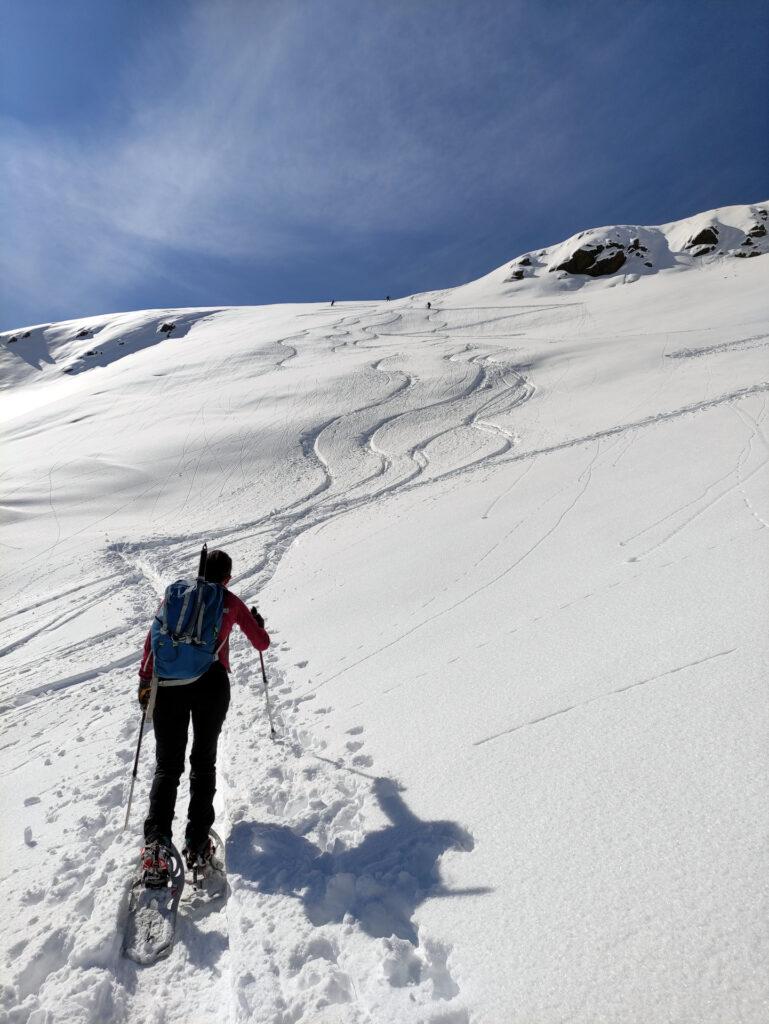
(186, 628)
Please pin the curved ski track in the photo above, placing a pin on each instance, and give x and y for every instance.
(263, 957)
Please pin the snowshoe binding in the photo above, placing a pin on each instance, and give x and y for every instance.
(156, 865)
(205, 868)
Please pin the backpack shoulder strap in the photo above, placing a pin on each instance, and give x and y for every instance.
(183, 612)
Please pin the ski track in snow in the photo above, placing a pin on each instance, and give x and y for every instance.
(600, 697)
(757, 435)
(346, 882)
(326, 862)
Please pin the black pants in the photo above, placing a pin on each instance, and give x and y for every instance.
(206, 702)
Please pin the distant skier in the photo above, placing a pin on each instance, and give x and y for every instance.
(429, 305)
(205, 699)
(387, 298)
(333, 301)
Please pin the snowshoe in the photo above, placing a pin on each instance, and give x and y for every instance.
(152, 904)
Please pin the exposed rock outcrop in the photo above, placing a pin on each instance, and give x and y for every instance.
(588, 260)
(609, 265)
(634, 251)
(580, 260)
(708, 236)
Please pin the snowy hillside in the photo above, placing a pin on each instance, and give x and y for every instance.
(512, 551)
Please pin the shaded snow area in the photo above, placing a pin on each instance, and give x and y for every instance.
(512, 552)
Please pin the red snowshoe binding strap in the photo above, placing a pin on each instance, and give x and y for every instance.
(156, 865)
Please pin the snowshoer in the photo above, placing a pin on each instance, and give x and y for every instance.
(205, 699)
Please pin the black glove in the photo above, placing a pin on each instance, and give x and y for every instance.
(145, 688)
(257, 618)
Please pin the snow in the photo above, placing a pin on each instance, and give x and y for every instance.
(512, 552)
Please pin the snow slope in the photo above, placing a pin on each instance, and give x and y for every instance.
(512, 551)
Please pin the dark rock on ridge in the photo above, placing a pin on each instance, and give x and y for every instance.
(580, 260)
(586, 260)
(609, 265)
(708, 236)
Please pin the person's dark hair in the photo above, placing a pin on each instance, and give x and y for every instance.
(218, 566)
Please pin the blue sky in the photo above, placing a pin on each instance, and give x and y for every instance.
(206, 152)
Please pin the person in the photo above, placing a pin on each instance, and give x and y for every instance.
(205, 700)
(429, 305)
(333, 301)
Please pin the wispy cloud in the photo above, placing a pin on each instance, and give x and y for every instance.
(243, 131)
(271, 131)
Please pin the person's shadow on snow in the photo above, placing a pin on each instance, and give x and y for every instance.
(379, 883)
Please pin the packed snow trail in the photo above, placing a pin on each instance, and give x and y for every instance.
(512, 553)
(205, 944)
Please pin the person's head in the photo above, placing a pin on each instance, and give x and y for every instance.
(218, 567)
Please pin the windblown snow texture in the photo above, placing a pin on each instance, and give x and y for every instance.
(512, 551)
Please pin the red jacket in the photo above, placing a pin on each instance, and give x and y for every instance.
(235, 613)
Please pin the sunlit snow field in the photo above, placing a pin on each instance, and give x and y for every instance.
(512, 552)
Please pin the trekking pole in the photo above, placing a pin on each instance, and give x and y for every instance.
(136, 768)
(145, 711)
(273, 734)
(267, 697)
